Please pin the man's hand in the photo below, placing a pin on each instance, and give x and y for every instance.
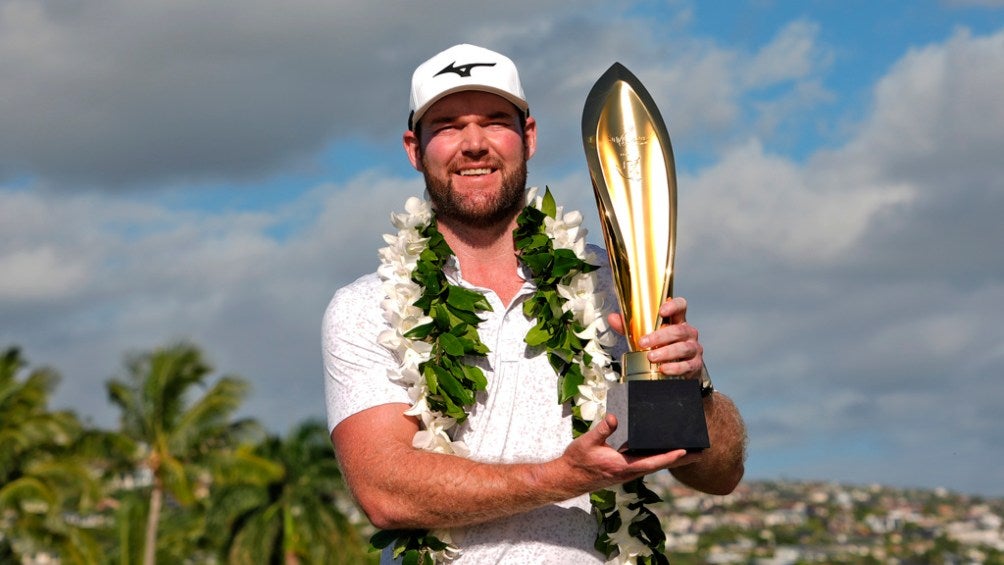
(675, 344)
(594, 465)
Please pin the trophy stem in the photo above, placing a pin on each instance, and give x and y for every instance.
(635, 366)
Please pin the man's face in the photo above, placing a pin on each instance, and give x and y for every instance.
(473, 154)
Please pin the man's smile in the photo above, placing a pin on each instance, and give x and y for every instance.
(475, 172)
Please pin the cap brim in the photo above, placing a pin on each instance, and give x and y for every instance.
(515, 100)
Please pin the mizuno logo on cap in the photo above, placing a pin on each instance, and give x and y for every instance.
(462, 70)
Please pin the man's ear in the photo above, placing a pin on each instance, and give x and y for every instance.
(413, 147)
(530, 137)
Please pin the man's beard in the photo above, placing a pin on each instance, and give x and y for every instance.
(501, 207)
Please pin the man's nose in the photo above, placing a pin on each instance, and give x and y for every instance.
(474, 140)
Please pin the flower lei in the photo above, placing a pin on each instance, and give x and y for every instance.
(434, 327)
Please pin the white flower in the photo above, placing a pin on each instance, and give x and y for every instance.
(623, 498)
(391, 340)
(566, 231)
(594, 330)
(418, 212)
(601, 373)
(415, 353)
(578, 293)
(531, 197)
(408, 352)
(592, 402)
(420, 404)
(448, 554)
(434, 437)
(599, 355)
(629, 546)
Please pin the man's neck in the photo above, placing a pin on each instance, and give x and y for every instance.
(486, 254)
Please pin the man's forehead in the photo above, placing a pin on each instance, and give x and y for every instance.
(470, 102)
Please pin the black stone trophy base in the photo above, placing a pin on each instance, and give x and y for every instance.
(656, 416)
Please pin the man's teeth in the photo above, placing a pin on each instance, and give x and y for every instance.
(474, 172)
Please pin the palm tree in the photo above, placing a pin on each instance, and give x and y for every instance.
(177, 432)
(45, 481)
(286, 504)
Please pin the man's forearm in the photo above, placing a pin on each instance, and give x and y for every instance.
(399, 486)
(720, 467)
(456, 492)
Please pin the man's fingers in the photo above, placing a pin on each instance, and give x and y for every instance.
(674, 309)
(605, 428)
(652, 463)
(616, 322)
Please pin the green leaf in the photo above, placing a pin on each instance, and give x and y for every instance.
(532, 306)
(559, 360)
(538, 335)
(529, 222)
(476, 377)
(579, 425)
(638, 487)
(548, 205)
(467, 300)
(467, 318)
(383, 538)
(421, 332)
(451, 345)
(554, 301)
(603, 499)
(479, 349)
(441, 314)
(570, 383)
(431, 379)
(565, 262)
(451, 409)
(433, 543)
(451, 386)
(536, 262)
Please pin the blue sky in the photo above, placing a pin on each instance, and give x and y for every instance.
(177, 170)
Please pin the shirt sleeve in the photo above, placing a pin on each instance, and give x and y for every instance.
(356, 366)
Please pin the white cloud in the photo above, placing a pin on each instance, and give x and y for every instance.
(37, 274)
(751, 202)
(937, 112)
(120, 93)
(792, 54)
(252, 301)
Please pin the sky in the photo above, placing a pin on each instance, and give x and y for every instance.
(213, 171)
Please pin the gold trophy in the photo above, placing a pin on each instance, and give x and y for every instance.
(633, 173)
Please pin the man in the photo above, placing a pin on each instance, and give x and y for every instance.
(522, 494)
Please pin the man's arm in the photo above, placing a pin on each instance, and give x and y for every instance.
(721, 467)
(399, 486)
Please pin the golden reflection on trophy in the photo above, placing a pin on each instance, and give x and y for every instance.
(634, 178)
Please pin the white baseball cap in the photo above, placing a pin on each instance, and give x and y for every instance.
(464, 67)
